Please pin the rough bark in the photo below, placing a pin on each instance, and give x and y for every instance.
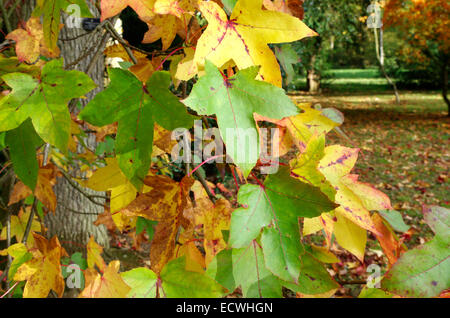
(73, 220)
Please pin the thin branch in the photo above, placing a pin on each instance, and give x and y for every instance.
(77, 212)
(109, 27)
(30, 221)
(202, 180)
(77, 187)
(9, 290)
(98, 53)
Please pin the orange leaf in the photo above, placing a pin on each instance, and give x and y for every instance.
(30, 42)
(164, 203)
(108, 285)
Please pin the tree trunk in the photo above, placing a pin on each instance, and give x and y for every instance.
(73, 220)
(380, 56)
(313, 78)
(445, 85)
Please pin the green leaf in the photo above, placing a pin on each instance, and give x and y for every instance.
(142, 282)
(314, 278)
(2, 140)
(374, 293)
(229, 5)
(51, 10)
(246, 222)
(289, 199)
(438, 218)
(234, 101)
(305, 166)
(136, 106)
(287, 57)
(77, 258)
(22, 143)
(147, 225)
(44, 101)
(12, 109)
(20, 255)
(421, 272)
(394, 218)
(245, 267)
(177, 282)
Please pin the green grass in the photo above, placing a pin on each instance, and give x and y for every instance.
(348, 80)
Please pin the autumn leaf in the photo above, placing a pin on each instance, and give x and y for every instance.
(30, 42)
(388, 241)
(178, 8)
(292, 7)
(43, 271)
(164, 203)
(94, 257)
(20, 255)
(244, 37)
(108, 285)
(144, 8)
(19, 224)
(215, 218)
(44, 188)
(111, 178)
(355, 198)
(234, 101)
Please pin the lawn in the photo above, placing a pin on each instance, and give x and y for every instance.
(404, 147)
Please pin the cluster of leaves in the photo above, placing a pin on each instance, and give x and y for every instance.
(201, 245)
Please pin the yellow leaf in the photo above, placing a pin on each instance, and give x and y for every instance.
(335, 166)
(244, 37)
(111, 178)
(43, 271)
(18, 226)
(350, 236)
(108, 285)
(164, 27)
(94, 257)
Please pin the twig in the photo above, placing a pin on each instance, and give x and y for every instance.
(202, 180)
(9, 290)
(8, 244)
(77, 212)
(109, 27)
(352, 282)
(98, 53)
(30, 221)
(78, 187)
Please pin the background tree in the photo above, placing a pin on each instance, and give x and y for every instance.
(426, 26)
(340, 33)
